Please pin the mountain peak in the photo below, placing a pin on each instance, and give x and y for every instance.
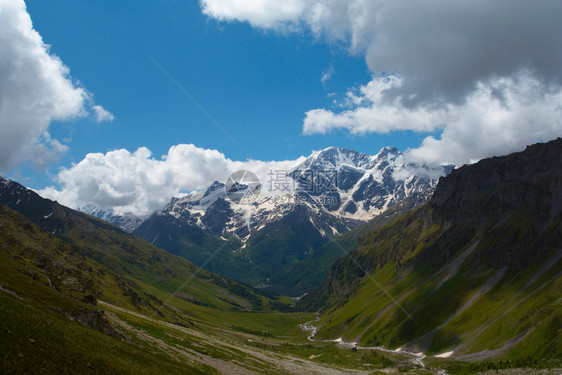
(214, 187)
(389, 150)
(333, 158)
(338, 150)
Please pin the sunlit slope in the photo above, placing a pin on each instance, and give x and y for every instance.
(476, 270)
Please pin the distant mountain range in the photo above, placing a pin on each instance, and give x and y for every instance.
(475, 273)
(345, 183)
(128, 221)
(298, 211)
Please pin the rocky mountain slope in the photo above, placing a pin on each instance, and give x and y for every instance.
(475, 272)
(297, 212)
(308, 274)
(128, 222)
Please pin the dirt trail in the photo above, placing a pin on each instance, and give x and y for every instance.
(264, 362)
(190, 356)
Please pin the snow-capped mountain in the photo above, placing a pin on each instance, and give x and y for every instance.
(128, 222)
(348, 185)
(297, 211)
(360, 186)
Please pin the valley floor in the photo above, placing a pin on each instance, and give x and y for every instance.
(39, 341)
(224, 351)
(219, 350)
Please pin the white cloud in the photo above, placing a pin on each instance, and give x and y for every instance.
(326, 75)
(35, 89)
(260, 13)
(378, 116)
(500, 116)
(525, 112)
(487, 73)
(102, 114)
(139, 183)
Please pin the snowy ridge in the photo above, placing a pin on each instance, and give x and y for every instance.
(366, 185)
(127, 221)
(345, 185)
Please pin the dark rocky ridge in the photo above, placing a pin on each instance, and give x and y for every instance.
(492, 186)
(510, 205)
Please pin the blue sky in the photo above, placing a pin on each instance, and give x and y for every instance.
(98, 117)
(256, 83)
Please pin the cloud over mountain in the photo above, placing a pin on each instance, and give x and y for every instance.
(488, 74)
(139, 183)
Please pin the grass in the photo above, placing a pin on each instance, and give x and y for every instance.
(38, 341)
(507, 312)
(242, 346)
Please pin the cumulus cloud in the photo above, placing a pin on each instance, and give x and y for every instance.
(467, 68)
(139, 183)
(371, 112)
(102, 114)
(500, 116)
(35, 89)
(261, 13)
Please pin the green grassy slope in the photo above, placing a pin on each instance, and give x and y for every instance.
(39, 341)
(28, 254)
(136, 261)
(53, 299)
(476, 270)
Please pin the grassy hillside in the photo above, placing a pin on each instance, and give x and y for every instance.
(137, 262)
(39, 341)
(463, 305)
(30, 254)
(476, 271)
